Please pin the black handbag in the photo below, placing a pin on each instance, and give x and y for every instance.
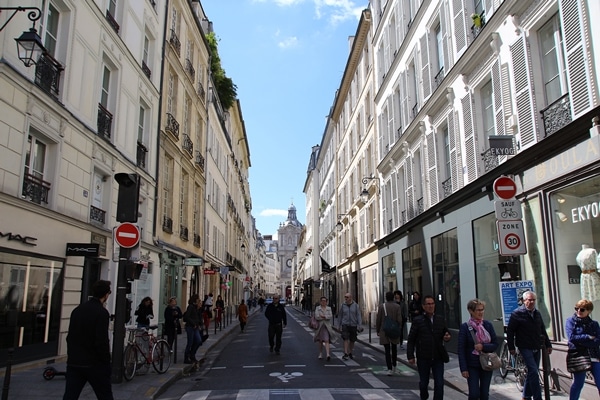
(578, 361)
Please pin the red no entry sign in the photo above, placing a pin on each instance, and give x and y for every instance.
(127, 235)
(505, 188)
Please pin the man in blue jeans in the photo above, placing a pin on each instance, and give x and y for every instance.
(526, 330)
(277, 317)
(428, 334)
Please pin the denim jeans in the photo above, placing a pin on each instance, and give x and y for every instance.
(579, 380)
(193, 342)
(275, 331)
(391, 354)
(437, 368)
(479, 383)
(532, 388)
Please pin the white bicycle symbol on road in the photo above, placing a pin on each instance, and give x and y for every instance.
(285, 377)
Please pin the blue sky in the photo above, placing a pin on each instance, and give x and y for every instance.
(287, 58)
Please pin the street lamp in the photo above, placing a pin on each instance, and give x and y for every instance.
(29, 44)
(339, 226)
(364, 195)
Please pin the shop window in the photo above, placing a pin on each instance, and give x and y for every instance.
(576, 233)
(389, 272)
(412, 271)
(446, 279)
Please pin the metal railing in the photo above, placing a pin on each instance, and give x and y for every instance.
(557, 115)
(47, 75)
(35, 189)
(104, 122)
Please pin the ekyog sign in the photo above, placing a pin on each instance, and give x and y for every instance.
(585, 213)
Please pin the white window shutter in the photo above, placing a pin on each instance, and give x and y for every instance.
(432, 165)
(425, 69)
(460, 25)
(498, 109)
(470, 144)
(523, 93)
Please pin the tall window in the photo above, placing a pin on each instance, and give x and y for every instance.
(50, 29)
(487, 103)
(183, 196)
(171, 93)
(105, 87)
(446, 278)
(412, 270)
(35, 157)
(146, 49)
(446, 141)
(112, 7)
(553, 61)
(167, 187)
(35, 185)
(439, 47)
(141, 125)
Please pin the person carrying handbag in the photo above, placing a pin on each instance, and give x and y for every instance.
(476, 336)
(584, 337)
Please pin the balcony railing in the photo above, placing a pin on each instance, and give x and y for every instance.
(420, 206)
(199, 160)
(142, 151)
(188, 145)
(414, 111)
(490, 160)
(112, 21)
(189, 68)
(447, 187)
(47, 75)
(439, 77)
(146, 69)
(172, 126)
(174, 40)
(104, 122)
(97, 215)
(478, 24)
(201, 91)
(35, 189)
(153, 4)
(196, 240)
(557, 115)
(183, 232)
(167, 225)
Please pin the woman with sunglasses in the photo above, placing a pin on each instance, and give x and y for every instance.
(584, 335)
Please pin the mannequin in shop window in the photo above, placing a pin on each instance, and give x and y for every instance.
(587, 260)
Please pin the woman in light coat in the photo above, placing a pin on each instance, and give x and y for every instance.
(394, 311)
(324, 334)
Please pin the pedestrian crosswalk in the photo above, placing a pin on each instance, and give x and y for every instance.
(302, 394)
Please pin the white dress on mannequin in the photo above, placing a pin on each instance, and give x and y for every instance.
(587, 260)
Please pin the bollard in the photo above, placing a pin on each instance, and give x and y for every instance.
(545, 368)
(7, 373)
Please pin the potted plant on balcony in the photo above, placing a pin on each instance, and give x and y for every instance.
(478, 19)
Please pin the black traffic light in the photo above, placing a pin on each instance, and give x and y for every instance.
(129, 195)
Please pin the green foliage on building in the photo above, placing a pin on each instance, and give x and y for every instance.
(226, 89)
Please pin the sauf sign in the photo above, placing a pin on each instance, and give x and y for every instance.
(509, 222)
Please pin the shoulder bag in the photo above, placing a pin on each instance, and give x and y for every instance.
(391, 327)
(578, 361)
(313, 323)
(488, 361)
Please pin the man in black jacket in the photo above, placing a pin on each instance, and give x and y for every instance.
(277, 317)
(88, 349)
(526, 330)
(428, 334)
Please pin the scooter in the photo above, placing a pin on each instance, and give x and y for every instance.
(50, 372)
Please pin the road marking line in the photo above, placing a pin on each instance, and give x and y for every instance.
(373, 381)
(294, 365)
(253, 366)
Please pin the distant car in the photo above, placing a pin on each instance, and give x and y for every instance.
(269, 300)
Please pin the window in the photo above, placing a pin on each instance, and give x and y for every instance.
(104, 97)
(487, 104)
(183, 208)
(553, 63)
(141, 125)
(446, 278)
(167, 191)
(446, 153)
(50, 29)
(146, 49)
(35, 188)
(412, 270)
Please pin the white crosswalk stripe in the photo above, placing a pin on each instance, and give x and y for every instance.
(302, 394)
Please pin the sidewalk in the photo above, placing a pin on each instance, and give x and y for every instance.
(27, 382)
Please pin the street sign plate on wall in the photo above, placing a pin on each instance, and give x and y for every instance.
(508, 209)
(511, 237)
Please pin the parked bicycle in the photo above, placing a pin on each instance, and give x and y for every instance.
(513, 363)
(143, 349)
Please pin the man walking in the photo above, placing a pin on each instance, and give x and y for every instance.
(277, 317)
(428, 334)
(526, 330)
(88, 350)
(350, 319)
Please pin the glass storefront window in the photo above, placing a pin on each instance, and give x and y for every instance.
(389, 272)
(446, 279)
(576, 234)
(412, 271)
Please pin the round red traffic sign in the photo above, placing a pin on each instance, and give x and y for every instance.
(505, 188)
(127, 235)
(512, 241)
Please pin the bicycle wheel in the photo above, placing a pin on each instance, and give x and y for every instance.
(520, 372)
(505, 358)
(161, 356)
(130, 356)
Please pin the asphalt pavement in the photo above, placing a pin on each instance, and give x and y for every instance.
(27, 382)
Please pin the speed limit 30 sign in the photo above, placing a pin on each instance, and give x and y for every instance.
(511, 236)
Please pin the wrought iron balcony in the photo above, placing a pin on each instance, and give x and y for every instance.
(414, 111)
(112, 21)
(97, 215)
(189, 68)
(172, 126)
(104, 122)
(141, 155)
(174, 40)
(146, 70)
(447, 187)
(490, 160)
(153, 4)
(201, 91)
(199, 160)
(35, 189)
(439, 77)
(420, 206)
(557, 115)
(188, 145)
(167, 225)
(47, 75)
(183, 232)
(196, 240)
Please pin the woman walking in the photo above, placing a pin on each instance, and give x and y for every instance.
(144, 313)
(584, 336)
(476, 336)
(324, 334)
(399, 299)
(242, 314)
(389, 309)
(415, 307)
(172, 325)
(193, 326)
